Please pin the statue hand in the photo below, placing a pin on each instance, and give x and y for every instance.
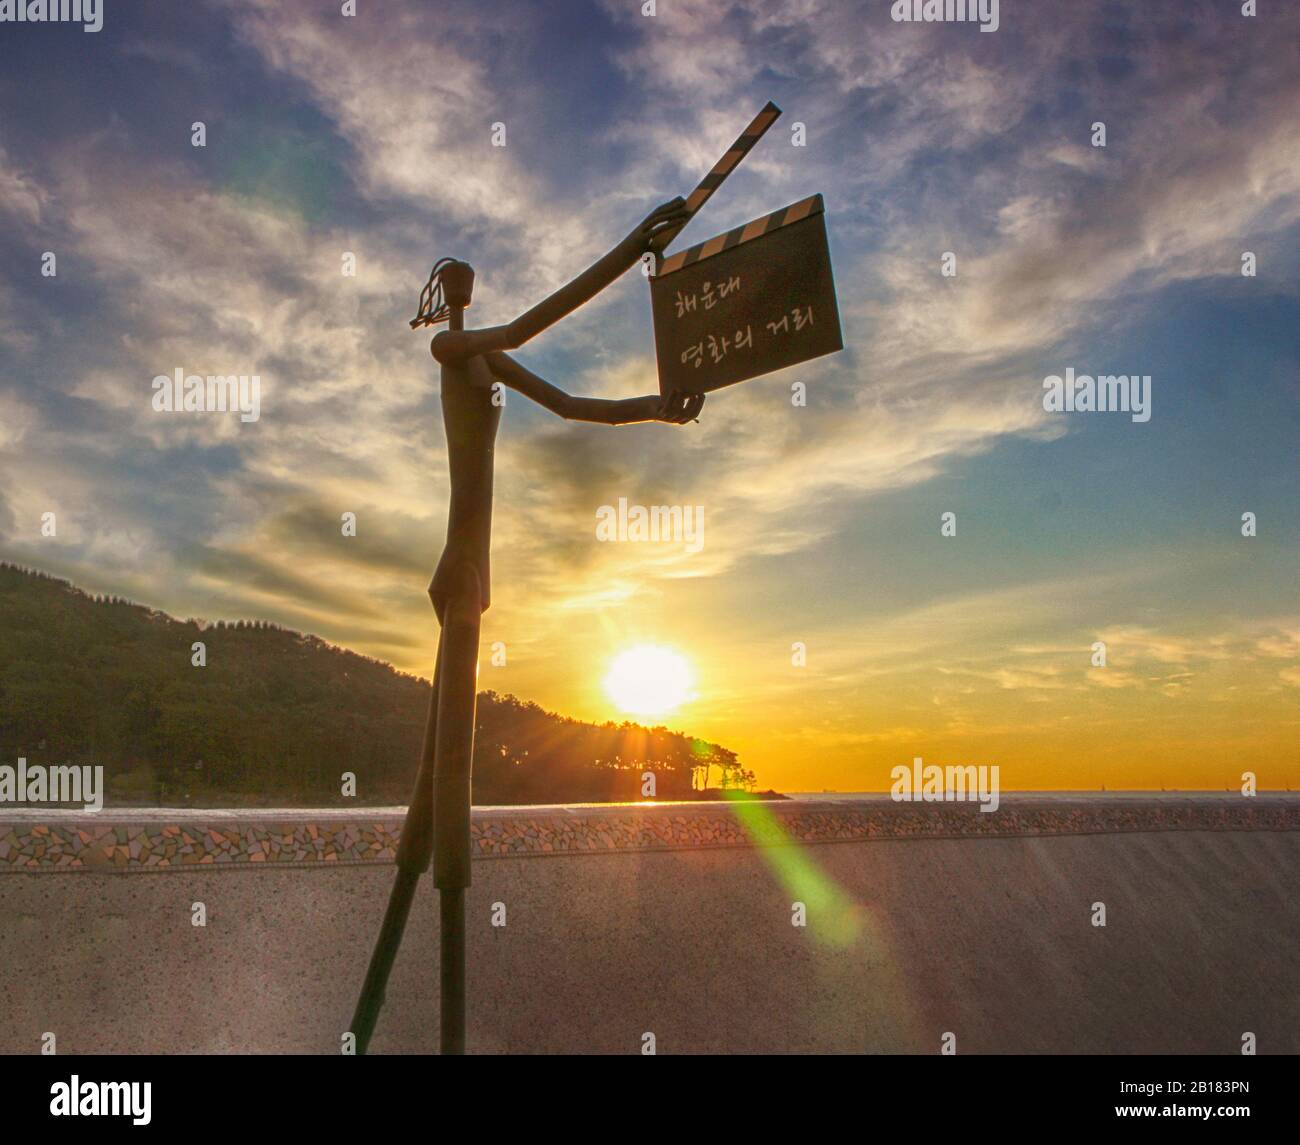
(667, 216)
(680, 407)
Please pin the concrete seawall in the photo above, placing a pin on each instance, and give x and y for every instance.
(675, 920)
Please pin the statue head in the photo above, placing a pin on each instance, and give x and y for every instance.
(450, 285)
(458, 283)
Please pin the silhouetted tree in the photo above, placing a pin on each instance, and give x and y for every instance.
(276, 716)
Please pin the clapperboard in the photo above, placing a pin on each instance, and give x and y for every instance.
(756, 299)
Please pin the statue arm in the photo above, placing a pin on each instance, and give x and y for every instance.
(457, 345)
(676, 408)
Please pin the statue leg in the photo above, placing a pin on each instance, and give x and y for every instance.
(443, 782)
(413, 855)
(454, 755)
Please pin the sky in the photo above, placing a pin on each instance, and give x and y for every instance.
(374, 135)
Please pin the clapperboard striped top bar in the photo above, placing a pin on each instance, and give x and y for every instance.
(722, 168)
(812, 205)
(738, 150)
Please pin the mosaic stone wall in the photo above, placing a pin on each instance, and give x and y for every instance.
(158, 840)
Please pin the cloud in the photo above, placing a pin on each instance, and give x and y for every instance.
(923, 140)
(21, 197)
(7, 523)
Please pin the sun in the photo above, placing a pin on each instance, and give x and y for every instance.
(649, 680)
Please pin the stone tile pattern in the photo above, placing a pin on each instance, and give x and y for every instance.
(69, 841)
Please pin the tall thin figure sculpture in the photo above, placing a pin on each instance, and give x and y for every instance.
(473, 363)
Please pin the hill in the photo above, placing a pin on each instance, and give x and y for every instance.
(277, 717)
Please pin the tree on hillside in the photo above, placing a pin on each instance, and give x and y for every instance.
(277, 717)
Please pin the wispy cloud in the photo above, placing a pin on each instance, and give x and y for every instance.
(372, 137)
